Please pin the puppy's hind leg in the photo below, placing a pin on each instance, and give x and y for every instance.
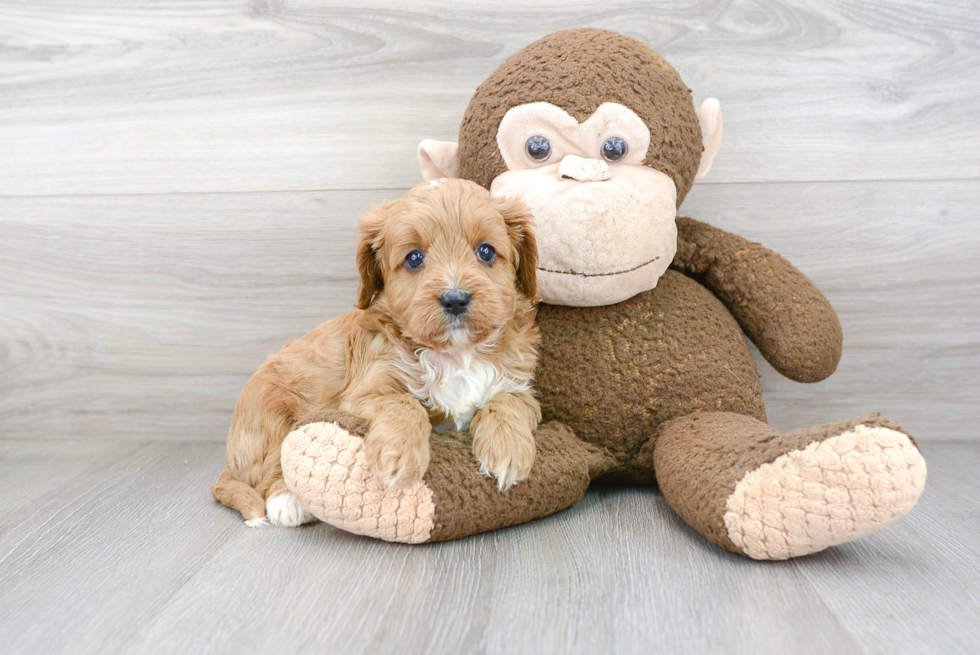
(253, 473)
(239, 496)
(281, 506)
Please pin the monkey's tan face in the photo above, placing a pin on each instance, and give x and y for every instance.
(604, 221)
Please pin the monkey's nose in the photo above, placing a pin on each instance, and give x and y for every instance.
(455, 302)
(573, 167)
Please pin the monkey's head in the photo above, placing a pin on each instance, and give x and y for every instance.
(598, 135)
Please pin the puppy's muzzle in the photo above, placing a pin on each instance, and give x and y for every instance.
(455, 302)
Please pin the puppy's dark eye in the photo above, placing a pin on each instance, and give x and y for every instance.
(414, 260)
(538, 148)
(614, 148)
(486, 254)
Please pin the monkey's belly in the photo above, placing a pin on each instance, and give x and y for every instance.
(614, 373)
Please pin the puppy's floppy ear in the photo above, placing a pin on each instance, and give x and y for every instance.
(520, 228)
(368, 267)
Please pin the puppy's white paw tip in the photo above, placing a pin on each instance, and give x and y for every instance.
(260, 522)
(506, 478)
(283, 510)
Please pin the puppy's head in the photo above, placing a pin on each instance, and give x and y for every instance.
(451, 264)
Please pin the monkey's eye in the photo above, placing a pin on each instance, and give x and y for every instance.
(414, 260)
(538, 148)
(614, 148)
(486, 254)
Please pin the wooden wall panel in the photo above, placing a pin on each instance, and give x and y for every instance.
(121, 327)
(179, 182)
(167, 97)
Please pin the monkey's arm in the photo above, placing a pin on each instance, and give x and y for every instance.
(780, 309)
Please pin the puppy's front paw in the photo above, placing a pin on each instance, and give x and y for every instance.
(285, 511)
(506, 453)
(399, 461)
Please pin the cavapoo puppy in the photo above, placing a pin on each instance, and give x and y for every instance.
(442, 338)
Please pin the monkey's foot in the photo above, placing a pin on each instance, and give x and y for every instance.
(787, 495)
(829, 493)
(324, 467)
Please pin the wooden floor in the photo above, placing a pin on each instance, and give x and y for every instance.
(112, 546)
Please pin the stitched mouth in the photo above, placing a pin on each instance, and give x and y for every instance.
(628, 270)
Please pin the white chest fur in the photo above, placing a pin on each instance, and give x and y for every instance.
(456, 383)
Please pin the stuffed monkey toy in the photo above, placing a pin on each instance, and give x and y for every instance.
(644, 374)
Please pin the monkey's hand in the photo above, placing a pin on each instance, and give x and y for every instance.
(399, 458)
(778, 307)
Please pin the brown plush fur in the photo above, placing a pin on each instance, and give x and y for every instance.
(356, 362)
(680, 339)
(578, 70)
(467, 502)
(615, 373)
(780, 309)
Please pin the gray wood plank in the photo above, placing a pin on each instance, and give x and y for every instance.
(537, 588)
(327, 590)
(140, 97)
(89, 562)
(22, 466)
(624, 561)
(133, 556)
(124, 316)
(915, 588)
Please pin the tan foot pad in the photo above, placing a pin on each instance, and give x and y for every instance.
(323, 465)
(831, 492)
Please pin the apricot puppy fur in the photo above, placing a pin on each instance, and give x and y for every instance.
(442, 337)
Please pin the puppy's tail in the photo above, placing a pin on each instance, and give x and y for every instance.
(233, 493)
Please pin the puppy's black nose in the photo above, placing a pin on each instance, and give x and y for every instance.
(455, 302)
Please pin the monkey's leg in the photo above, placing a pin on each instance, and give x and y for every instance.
(767, 495)
(323, 465)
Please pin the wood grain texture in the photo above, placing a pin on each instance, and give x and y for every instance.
(88, 562)
(938, 552)
(151, 97)
(117, 327)
(129, 554)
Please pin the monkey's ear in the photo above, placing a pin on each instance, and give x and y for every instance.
(438, 159)
(709, 116)
(520, 226)
(368, 267)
